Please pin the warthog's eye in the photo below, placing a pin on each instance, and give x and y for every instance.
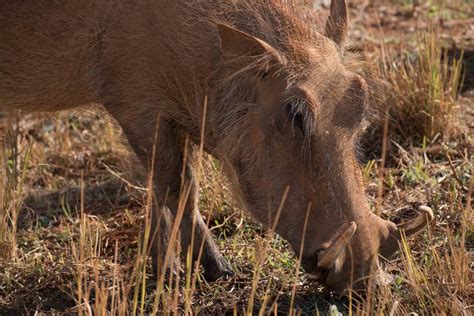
(295, 116)
(295, 113)
(264, 74)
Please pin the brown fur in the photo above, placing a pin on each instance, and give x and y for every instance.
(150, 59)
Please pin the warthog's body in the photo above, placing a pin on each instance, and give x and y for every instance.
(282, 110)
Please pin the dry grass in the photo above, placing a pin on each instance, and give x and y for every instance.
(77, 249)
(419, 89)
(72, 212)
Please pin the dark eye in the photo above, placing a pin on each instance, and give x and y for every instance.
(264, 74)
(295, 115)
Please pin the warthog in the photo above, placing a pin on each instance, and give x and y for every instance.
(269, 95)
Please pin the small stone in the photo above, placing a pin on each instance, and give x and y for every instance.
(333, 311)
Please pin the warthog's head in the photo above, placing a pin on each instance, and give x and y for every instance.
(289, 129)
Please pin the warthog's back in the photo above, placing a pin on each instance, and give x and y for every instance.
(47, 58)
(60, 54)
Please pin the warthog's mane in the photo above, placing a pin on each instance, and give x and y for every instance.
(288, 26)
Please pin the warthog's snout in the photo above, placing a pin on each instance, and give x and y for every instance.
(337, 265)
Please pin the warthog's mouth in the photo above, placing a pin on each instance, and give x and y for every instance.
(310, 266)
(320, 265)
(329, 265)
(321, 276)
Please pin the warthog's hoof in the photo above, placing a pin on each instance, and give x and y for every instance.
(219, 269)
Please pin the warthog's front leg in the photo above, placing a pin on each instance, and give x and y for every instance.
(169, 192)
(214, 264)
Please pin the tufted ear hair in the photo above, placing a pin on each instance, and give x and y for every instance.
(237, 43)
(336, 25)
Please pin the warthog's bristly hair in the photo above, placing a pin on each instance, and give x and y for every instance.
(286, 27)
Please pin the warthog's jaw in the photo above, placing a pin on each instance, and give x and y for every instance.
(375, 277)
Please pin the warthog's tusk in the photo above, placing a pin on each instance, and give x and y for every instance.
(419, 223)
(410, 229)
(328, 257)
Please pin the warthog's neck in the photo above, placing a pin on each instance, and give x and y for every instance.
(164, 56)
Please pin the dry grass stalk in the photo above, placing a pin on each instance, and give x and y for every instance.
(420, 89)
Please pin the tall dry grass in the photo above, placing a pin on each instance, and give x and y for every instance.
(16, 152)
(416, 86)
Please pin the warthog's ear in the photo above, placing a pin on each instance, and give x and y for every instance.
(238, 43)
(336, 25)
